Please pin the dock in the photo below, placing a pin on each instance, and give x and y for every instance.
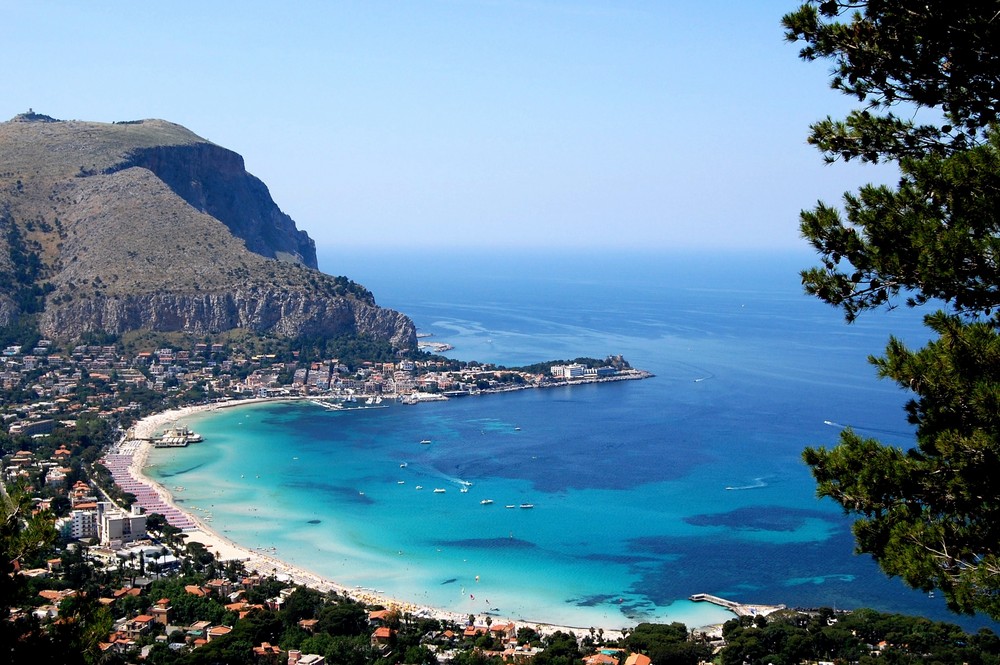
(739, 609)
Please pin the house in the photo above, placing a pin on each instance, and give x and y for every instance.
(600, 659)
(161, 611)
(267, 652)
(382, 637)
(474, 631)
(138, 626)
(197, 629)
(503, 630)
(520, 654)
(637, 659)
(219, 587)
(216, 632)
(308, 625)
(378, 617)
(56, 597)
(298, 658)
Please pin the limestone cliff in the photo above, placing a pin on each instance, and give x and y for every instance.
(144, 225)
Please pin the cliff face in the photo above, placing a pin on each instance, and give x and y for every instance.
(214, 180)
(146, 226)
(275, 311)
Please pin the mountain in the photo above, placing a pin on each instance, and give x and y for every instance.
(145, 225)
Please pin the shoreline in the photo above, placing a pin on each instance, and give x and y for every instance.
(226, 549)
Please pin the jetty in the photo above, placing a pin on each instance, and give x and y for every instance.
(739, 609)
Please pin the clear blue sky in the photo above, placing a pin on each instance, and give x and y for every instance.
(486, 123)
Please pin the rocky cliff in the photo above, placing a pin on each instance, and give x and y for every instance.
(144, 225)
(214, 180)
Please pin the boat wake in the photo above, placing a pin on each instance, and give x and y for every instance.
(860, 428)
(758, 483)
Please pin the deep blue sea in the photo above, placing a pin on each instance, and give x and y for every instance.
(644, 492)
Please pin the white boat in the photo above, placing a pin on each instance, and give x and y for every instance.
(486, 502)
(400, 482)
(439, 490)
(464, 490)
(527, 505)
(510, 505)
(425, 441)
(420, 487)
(403, 465)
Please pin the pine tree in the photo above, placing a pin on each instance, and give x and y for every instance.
(926, 76)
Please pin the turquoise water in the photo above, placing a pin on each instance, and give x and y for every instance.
(644, 492)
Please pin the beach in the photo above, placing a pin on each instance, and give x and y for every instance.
(129, 456)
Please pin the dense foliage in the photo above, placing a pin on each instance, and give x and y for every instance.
(864, 636)
(927, 76)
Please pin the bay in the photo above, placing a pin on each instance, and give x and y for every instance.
(643, 492)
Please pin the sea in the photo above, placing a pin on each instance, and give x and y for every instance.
(642, 493)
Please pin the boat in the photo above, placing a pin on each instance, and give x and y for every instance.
(400, 482)
(439, 490)
(527, 505)
(403, 465)
(464, 490)
(510, 505)
(420, 487)
(517, 429)
(486, 502)
(425, 441)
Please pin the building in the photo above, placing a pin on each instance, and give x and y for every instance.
(573, 371)
(116, 528)
(296, 657)
(84, 521)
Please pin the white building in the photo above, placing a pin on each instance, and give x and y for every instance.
(117, 528)
(84, 523)
(573, 371)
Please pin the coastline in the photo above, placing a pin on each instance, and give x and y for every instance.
(136, 444)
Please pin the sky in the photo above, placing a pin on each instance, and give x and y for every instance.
(506, 124)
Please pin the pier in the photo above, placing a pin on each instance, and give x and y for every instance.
(739, 609)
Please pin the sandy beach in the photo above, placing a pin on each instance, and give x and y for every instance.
(130, 455)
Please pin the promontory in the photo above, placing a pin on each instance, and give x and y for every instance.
(143, 225)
